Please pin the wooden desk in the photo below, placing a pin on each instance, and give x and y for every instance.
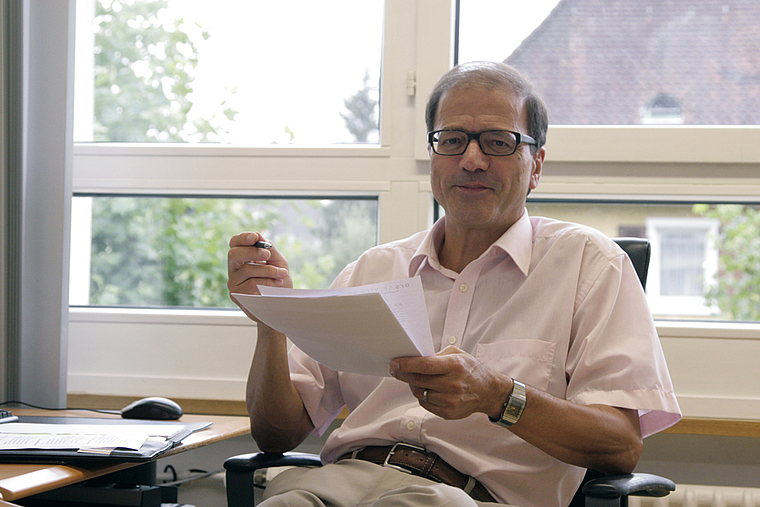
(22, 480)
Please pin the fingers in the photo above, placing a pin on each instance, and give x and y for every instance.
(242, 251)
(249, 266)
(247, 277)
(245, 239)
(443, 363)
(451, 384)
(435, 374)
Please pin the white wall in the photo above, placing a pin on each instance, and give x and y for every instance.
(49, 90)
(36, 129)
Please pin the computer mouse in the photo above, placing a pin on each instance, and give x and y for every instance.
(154, 407)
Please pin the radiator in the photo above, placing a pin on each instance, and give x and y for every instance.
(692, 495)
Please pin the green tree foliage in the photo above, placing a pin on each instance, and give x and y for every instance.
(164, 251)
(144, 73)
(737, 292)
(325, 236)
(156, 251)
(361, 111)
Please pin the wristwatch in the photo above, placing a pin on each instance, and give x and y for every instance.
(514, 406)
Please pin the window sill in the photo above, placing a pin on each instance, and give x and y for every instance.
(220, 150)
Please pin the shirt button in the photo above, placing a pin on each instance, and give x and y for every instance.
(463, 287)
(410, 425)
(452, 340)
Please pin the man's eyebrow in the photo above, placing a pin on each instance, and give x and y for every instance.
(477, 131)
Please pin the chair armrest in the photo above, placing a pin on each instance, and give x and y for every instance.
(247, 463)
(240, 471)
(607, 491)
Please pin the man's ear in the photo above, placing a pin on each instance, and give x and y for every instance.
(538, 165)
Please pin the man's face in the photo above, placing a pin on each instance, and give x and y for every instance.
(481, 191)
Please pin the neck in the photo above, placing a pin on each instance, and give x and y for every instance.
(460, 248)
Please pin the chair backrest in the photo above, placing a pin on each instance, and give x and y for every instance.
(639, 250)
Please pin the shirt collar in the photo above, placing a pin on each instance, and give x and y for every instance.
(427, 249)
(517, 242)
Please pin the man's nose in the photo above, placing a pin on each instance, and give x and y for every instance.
(473, 157)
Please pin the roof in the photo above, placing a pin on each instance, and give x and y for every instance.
(628, 62)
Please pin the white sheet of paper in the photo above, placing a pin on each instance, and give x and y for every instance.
(357, 329)
(80, 436)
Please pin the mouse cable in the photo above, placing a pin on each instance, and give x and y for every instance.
(100, 411)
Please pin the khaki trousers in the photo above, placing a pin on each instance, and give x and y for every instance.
(357, 483)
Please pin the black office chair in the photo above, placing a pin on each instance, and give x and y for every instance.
(597, 489)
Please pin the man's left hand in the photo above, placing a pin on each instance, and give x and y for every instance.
(457, 384)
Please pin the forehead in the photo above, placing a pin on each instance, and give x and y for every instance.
(476, 107)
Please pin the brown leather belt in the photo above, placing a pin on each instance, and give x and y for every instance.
(417, 461)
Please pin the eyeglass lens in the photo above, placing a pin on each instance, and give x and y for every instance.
(492, 142)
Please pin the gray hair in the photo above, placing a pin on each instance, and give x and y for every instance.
(493, 75)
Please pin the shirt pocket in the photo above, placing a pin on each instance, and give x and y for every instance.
(529, 361)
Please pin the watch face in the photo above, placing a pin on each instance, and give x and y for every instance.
(514, 406)
(516, 403)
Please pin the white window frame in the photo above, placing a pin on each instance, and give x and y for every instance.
(611, 162)
(582, 161)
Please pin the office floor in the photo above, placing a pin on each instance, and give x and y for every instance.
(208, 491)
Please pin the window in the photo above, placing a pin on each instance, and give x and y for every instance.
(157, 76)
(627, 164)
(288, 169)
(662, 109)
(161, 251)
(238, 72)
(684, 264)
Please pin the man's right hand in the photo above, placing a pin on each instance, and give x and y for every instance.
(248, 266)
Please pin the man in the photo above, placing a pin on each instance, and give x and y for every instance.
(548, 359)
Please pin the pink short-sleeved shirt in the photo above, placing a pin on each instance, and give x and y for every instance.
(555, 305)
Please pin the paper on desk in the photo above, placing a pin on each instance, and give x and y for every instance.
(357, 329)
(81, 436)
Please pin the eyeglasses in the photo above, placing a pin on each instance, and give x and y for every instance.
(498, 143)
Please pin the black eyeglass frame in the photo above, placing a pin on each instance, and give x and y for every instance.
(519, 138)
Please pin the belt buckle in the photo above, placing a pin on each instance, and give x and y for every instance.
(393, 451)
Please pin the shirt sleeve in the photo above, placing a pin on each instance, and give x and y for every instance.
(318, 387)
(615, 357)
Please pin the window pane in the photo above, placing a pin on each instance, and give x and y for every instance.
(251, 73)
(681, 263)
(172, 251)
(625, 63)
(705, 260)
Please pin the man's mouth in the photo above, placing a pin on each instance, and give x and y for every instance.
(472, 186)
